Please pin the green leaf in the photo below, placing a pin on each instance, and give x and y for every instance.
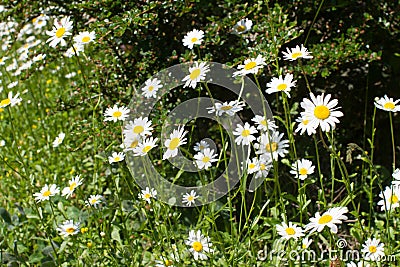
(5, 215)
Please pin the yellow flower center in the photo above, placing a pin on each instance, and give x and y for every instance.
(147, 196)
(60, 32)
(305, 122)
(72, 186)
(322, 112)
(262, 166)
(245, 133)
(138, 129)
(197, 246)
(5, 102)
(1, 60)
(263, 122)
(117, 159)
(147, 149)
(168, 263)
(205, 159)
(117, 114)
(304, 246)
(134, 144)
(174, 143)
(250, 65)
(70, 230)
(190, 198)
(325, 219)
(226, 108)
(34, 20)
(195, 74)
(241, 28)
(151, 88)
(290, 231)
(389, 105)
(394, 199)
(372, 249)
(194, 39)
(252, 166)
(271, 147)
(281, 87)
(85, 39)
(93, 201)
(303, 171)
(296, 55)
(46, 193)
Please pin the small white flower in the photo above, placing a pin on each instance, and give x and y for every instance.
(387, 104)
(10, 100)
(140, 126)
(46, 192)
(189, 198)
(94, 200)
(330, 218)
(199, 245)
(281, 84)
(251, 65)
(59, 139)
(116, 157)
(242, 26)
(205, 158)
(305, 125)
(147, 194)
(302, 168)
(75, 49)
(305, 243)
(200, 146)
(396, 177)
(68, 228)
(297, 52)
(272, 145)
(263, 124)
(287, 231)
(116, 113)
(60, 31)
(390, 198)
(73, 183)
(193, 37)
(197, 73)
(226, 108)
(176, 139)
(143, 148)
(151, 87)
(244, 134)
(373, 250)
(85, 37)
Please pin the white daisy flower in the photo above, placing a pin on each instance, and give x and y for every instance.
(302, 168)
(373, 250)
(85, 37)
(140, 126)
(321, 111)
(199, 245)
(251, 65)
(304, 125)
(200, 146)
(197, 73)
(387, 104)
(244, 134)
(10, 100)
(252, 165)
(272, 145)
(147, 194)
(73, 183)
(39, 57)
(189, 198)
(205, 158)
(94, 200)
(263, 124)
(175, 140)
(193, 37)
(143, 148)
(305, 243)
(242, 26)
(359, 264)
(167, 261)
(3, 60)
(330, 218)
(68, 228)
(2, 143)
(116, 113)
(12, 85)
(281, 84)
(151, 87)
(389, 198)
(116, 157)
(295, 53)
(60, 31)
(287, 231)
(46, 192)
(59, 139)
(75, 49)
(40, 22)
(396, 177)
(131, 141)
(226, 108)
(263, 167)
